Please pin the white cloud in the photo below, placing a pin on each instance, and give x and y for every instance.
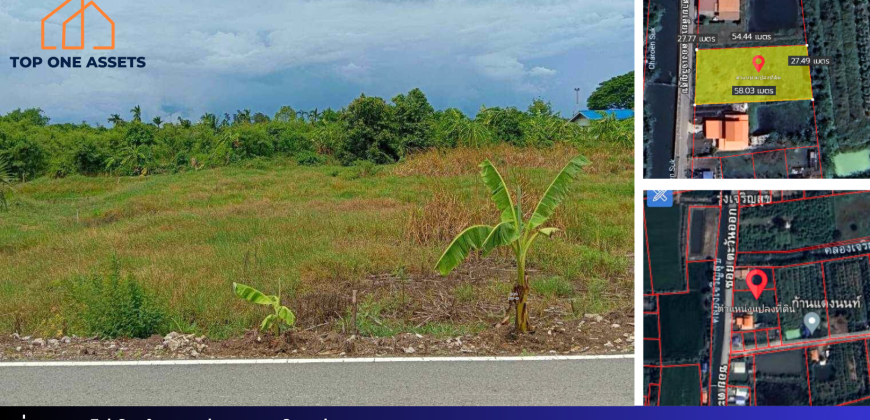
(542, 72)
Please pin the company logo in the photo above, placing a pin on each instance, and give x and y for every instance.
(660, 198)
(81, 14)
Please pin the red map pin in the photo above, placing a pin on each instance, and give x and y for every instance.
(756, 276)
(758, 62)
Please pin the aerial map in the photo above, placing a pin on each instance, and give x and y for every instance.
(756, 298)
(757, 89)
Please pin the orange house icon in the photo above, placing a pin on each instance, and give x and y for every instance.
(80, 13)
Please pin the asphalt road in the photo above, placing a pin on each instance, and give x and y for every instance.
(526, 382)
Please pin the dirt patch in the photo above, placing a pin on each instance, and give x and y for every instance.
(593, 334)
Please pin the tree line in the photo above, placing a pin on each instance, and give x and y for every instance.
(368, 129)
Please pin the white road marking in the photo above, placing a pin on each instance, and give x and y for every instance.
(306, 361)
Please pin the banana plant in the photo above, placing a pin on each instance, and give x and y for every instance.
(5, 184)
(282, 313)
(512, 231)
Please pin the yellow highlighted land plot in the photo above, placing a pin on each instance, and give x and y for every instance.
(719, 70)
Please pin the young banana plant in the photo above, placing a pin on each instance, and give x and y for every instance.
(512, 231)
(5, 184)
(282, 313)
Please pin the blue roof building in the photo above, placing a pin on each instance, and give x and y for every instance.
(583, 118)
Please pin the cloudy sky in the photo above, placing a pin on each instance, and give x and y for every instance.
(219, 56)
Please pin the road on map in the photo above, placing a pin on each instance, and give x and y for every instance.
(721, 344)
(685, 111)
(527, 382)
(777, 345)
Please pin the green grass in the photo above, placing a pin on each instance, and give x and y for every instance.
(187, 237)
(553, 287)
(849, 163)
(464, 293)
(718, 70)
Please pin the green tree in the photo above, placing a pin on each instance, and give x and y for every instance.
(261, 118)
(617, 92)
(506, 124)
(369, 125)
(157, 121)
(34, 116)
(116, 119)
(412, 116)
(539, 107)
(139, 134)
(242, 117)
(137, 113)
(512, 231)
(285, 114)
(24, 154)
(209, 120)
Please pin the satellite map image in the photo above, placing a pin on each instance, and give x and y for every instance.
(756, 298)
(756, 89)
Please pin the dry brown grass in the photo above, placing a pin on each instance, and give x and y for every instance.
(610, 160)
(465, 160)
(444, 216)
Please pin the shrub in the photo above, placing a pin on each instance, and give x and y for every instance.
(88, 158)
(310, 159)
(112, 306)
(364, 169)
(26, 158)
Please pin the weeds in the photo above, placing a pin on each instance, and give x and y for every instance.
(364, 169)
(553, 287)
(464, 293)
(114, 306)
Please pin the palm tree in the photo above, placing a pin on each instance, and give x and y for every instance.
(157, 121)
(209, 120)
(116, 119)
(184, 123)
(242, 117)
(314, 114)
(5, 183)
(301, 115)
(137, 113)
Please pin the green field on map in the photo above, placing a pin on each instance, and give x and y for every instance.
(718, 71)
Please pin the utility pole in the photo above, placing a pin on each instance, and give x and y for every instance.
(577, 104)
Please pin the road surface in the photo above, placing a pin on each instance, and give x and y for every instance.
(499, 382)
(721, 340)
(685, 107)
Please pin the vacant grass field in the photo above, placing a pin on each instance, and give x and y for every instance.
(665, 248)
(681, 386)
(318, 232)
(849, 163)
(721, 69)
